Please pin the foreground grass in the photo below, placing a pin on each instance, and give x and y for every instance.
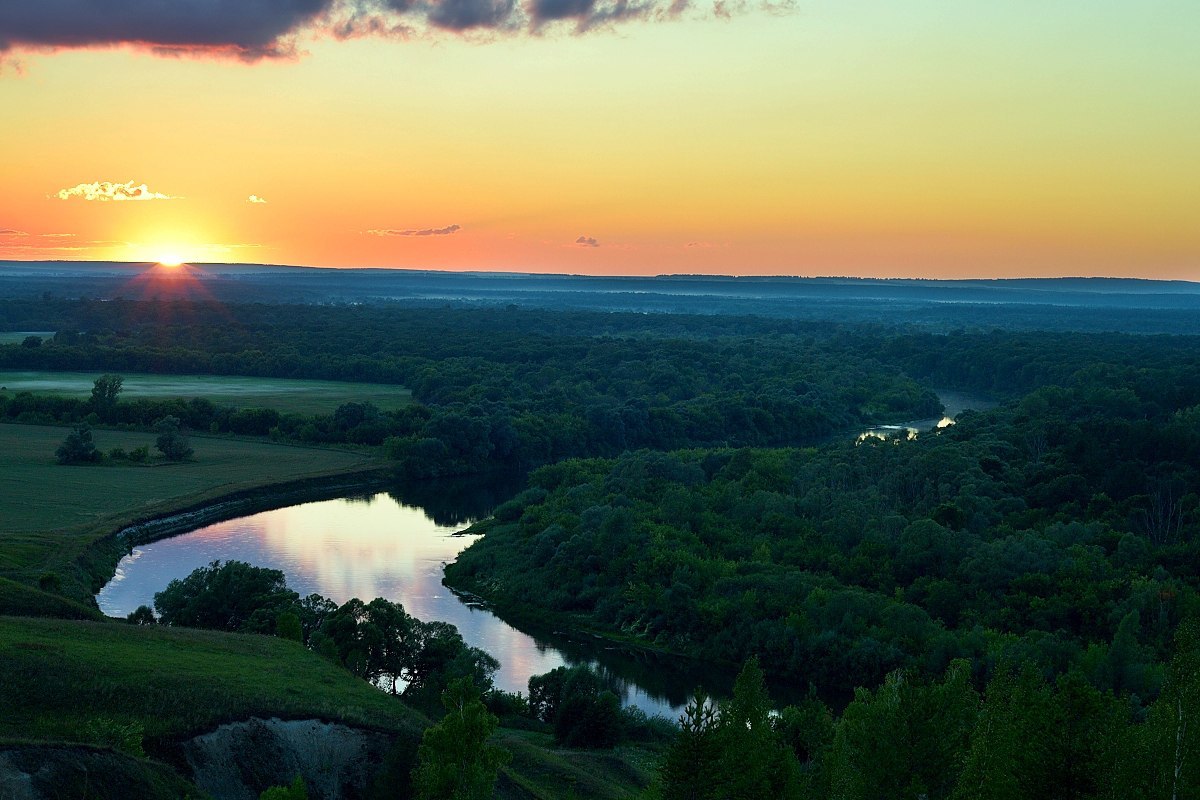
(283, 394)
(53, 513)
(61, 674)
(540, 770)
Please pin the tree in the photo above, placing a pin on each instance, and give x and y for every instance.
(171, 442)
(233, 596)
(78, 447)
(454, 761)
(142, 615)
(689, 769)
(104, 394)
(297, 791)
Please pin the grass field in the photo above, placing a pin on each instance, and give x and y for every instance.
(60, 674)
(16, 337)
(283, 394)
(540, 770)
(51, 513)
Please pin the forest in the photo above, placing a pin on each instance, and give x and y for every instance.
(695, 488)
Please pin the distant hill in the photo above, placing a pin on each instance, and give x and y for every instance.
(1129, 304)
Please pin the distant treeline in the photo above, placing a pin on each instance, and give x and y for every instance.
(502, 388)
(515, 388)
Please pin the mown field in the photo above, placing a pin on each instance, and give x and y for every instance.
(52, 512)
(283, 394)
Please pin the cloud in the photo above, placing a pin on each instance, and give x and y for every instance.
(461, 15)
(12, 232)
(255, 199)
(247, 29)
(446, 231)
(105, 191)
(253, 30)
(587, 241)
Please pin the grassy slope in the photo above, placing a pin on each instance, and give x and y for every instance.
(52, 513)
(92, 773)
(61, 673)
(283, 394)
(539, 770)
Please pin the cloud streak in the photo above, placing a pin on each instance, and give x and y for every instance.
(256, 200)
(587, 241)
(253, 30)
(446, 231)
(104, 191)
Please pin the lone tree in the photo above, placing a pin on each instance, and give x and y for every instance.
(78, 447)
(104, 394)
(171, 442)
(454, 761)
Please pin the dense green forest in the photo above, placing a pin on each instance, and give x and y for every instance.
(493, 389)
(1046, 530)
(1028, 574)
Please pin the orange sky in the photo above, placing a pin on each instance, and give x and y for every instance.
(862, 137)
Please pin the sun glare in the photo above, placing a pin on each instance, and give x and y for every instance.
(171, 260)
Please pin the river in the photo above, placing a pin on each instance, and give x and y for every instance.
(379, 546)
(953, 404)
(395, 546)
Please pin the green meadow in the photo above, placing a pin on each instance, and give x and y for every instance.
(60, 674)
(52, 513)
(283, 394)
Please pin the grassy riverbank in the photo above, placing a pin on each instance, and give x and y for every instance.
(53, 514)
(61, 675)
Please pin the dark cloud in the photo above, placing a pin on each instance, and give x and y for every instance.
(587, 241)
(461, 15)
(248, 29)
(446, 231)
(546, 10)
(257, 29)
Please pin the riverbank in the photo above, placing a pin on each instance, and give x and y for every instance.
(61, 525)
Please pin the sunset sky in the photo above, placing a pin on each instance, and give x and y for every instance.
(923, 138)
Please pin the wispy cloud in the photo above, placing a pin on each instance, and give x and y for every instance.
(446, 231)
(255, 199)
(105, 191)
(14, 242)
(587, 241)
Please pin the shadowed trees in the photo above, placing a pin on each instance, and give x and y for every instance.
(78, 447)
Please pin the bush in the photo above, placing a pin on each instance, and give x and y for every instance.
(123, 736)
(171, 442)
(78, 447)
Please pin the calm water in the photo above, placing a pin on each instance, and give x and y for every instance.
(378, 547)
(954, 404)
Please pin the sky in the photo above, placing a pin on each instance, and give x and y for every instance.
(923, 138)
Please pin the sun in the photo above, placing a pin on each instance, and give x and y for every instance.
(170, 260)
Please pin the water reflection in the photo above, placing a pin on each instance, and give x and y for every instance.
(375, 546)
(953, 404)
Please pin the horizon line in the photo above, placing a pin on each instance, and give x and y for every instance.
(626, 276)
